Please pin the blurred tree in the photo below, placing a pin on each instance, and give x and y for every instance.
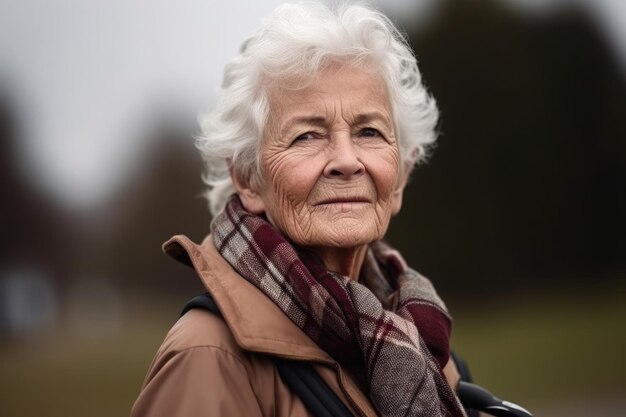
(528, 180)
(162, 200)
(36, 234)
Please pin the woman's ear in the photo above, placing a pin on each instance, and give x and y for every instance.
(250, 198)
(396, 197)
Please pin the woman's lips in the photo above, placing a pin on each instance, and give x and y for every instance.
(344, 200)
(344, 205)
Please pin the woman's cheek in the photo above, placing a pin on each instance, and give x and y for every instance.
(387, 177)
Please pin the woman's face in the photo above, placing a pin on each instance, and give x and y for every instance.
(329, 160)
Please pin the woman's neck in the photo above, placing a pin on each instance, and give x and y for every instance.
(345, 261)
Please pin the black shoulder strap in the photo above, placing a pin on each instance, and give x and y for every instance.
(203, 301)
(306, 383)
(301, 378)
(464, 372)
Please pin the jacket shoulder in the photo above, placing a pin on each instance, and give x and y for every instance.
(200, 328)
(194, 371)
(200, 370)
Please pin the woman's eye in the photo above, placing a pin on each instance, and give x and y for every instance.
(369, 132)
(305, 136)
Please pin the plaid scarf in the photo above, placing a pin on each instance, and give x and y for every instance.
(393, 317)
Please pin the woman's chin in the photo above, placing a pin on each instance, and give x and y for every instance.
(345, 233)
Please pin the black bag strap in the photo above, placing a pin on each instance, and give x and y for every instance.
(322, 401)
(306, 383)
(203, 301)
(299, 376)
(466, 376)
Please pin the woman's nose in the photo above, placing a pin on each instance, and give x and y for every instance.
(343, 159)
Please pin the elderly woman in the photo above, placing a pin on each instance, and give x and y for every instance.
(320, 120)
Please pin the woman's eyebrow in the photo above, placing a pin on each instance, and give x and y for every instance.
(364, 118)
(302, 120)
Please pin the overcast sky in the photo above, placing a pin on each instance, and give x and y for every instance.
(87, 77)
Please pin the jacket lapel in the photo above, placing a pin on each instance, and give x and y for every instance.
(257, 323)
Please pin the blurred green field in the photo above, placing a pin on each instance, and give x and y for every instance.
(552, 355)
(562, 355)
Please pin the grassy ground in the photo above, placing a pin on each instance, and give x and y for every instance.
(555, 356)
(550, 353)
(72, 375)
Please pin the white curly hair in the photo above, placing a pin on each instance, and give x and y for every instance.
(301, 39)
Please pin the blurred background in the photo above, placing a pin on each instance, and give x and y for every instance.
(518, 218)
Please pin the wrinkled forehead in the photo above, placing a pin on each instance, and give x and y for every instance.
(295, 79)
(362, 84)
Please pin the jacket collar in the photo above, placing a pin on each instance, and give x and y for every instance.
(257, 324)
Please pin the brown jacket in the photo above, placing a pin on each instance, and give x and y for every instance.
(208, 366)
